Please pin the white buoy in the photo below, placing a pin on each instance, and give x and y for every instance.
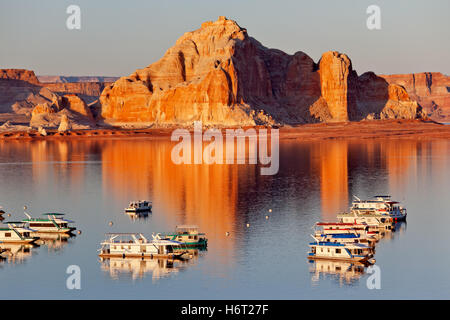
(267, 217)
(270, 210)
(248, 225)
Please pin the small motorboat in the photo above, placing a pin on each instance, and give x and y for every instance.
(189, 235)
(139, 206)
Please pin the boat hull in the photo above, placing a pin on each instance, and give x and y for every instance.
(142, 255)
(354, 259)
(54, 230)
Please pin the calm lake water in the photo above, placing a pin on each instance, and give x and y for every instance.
(92, 181)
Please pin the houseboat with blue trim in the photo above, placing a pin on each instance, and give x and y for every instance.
(352, 237)
(380, 209)
(341, 251)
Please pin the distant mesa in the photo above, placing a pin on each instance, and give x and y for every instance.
(220, 75)
(72, 79)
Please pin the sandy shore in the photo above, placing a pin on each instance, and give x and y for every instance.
(413, 129)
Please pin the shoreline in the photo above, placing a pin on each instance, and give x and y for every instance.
(374, 129)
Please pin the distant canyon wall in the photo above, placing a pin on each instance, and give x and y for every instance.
(430, 89)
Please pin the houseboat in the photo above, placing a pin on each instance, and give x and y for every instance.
(139, 206)
(382, 221)
(352, 237)
(11, 234)
(136, 245)
(189, 235)
(53, 222)
(345, 228)
(379, 205)
(341, 251)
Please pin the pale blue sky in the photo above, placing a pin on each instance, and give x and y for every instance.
(117, 37)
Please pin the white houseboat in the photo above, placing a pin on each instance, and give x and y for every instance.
(54, 222)
(379, 205)
(341, 251)
(345, 228)
(139, 206)
(11, 234)
(382, 221)
(136, 245)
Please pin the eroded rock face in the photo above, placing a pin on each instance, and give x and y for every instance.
(76, 104)
(430, 89)
(220, 75)
(21, 93)
(19, 74)
(64, 125)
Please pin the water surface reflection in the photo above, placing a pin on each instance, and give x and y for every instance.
(93, 180)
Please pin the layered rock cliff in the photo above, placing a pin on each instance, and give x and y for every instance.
(23, 99)
(222, 76)
(430, 89)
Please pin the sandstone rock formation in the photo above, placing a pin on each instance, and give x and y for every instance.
(76, 104)
(22, 94)
(220, 75)
(430, 89)
(19, 74)
(64, 125)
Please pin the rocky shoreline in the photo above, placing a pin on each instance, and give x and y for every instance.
(375, 129)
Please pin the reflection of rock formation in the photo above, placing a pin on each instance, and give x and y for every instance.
(331, 160)
(398, 158)
(204, 195)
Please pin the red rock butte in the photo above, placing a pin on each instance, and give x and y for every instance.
(220, 75)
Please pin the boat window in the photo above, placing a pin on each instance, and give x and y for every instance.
(7, 234)
(338, 250)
